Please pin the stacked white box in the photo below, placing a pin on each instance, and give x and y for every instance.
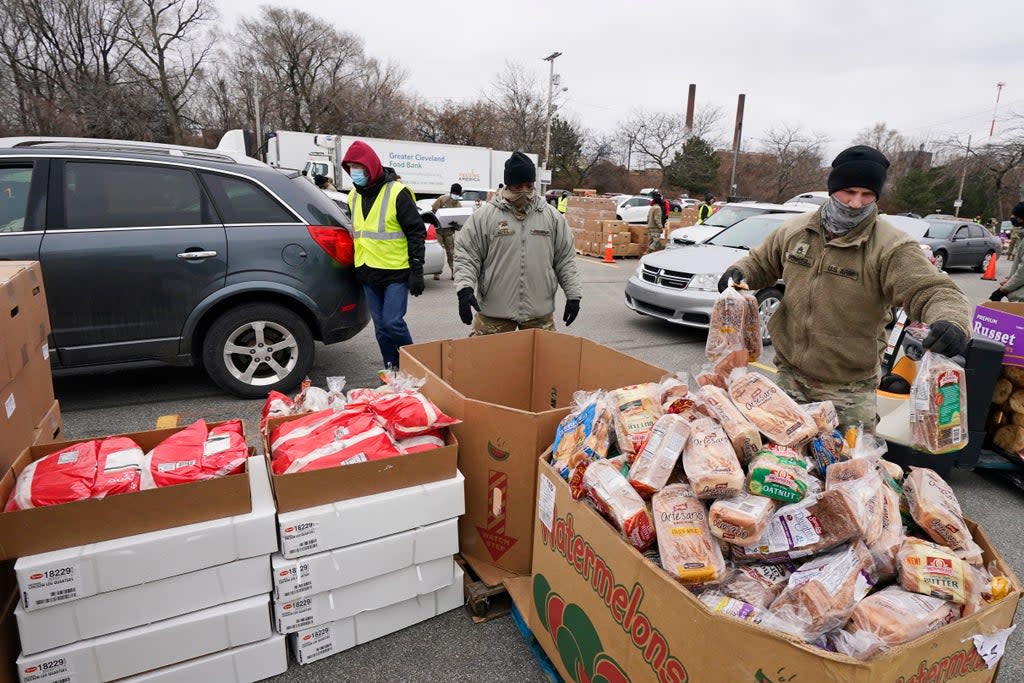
(142, 607)
(382, 562)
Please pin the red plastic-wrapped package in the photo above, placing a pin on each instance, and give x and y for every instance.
(423, 442)
(178, 459)
(225, 450)
(617, 500)
(62, 477)
(410, 413)
(276, 405)
(343, 425)
(371, 444)
(307, 425)
(119, 467)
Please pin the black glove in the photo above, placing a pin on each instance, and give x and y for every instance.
(416, 281)
(946, 338)
(572, 309)
(997, 295)
(467, 302)
(731, 273)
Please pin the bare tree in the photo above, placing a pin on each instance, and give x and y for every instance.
(475, 123)
(521, 106)
(1003, 160)
(886, 140)
(655, 136)
(797, 159)
(169, 50)
(707, 124)
(374, 104)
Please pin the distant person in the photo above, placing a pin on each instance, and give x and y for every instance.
(655, 224)
(324, 183)
(389, 235)
(1012, 286)
(706, 207)
(563, 202)
(445, 234)
(514, 252)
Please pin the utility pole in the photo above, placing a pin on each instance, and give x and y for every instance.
(737, 137)
(550, 59)
(259, 119)
(963, 176)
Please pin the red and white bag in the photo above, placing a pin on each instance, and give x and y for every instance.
(344, 425)
(62, 477)
(324, 420)
(276, 405)
(225, 450)
(423, 442)
(118, 467)
(178, 459)
(370, 444)
(410, 413)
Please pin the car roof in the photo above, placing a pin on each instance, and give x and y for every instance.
(32, 144)
(786, 208)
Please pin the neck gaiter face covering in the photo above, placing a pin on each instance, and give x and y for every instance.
(839, 219)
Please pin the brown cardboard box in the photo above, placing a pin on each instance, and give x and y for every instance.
(25, 319)
(636, 249)
(511, 391)
(615, 613)
(318, 487)
(16, 423)
(613, 227)
(592, 203)
(50, 428)
(38, 382)
(620, 239)
(38, 530)
(638, 234)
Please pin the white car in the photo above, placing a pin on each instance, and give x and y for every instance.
(632, 208)
(815, 198)
(728, 215)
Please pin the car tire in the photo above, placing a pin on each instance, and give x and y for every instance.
(940, 260)
(980, 268)
(768, 301)
(253, 327)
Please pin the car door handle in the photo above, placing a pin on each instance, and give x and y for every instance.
(196, 255)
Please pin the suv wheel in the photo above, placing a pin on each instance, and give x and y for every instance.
(257, 348)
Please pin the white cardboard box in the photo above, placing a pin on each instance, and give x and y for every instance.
(380, 591)
(325, 527)
(138, 605)
(319, 642)
(145, 648)
(332, 569)
(246, 664)
(74, 573)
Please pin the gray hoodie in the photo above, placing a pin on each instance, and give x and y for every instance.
(515, 266)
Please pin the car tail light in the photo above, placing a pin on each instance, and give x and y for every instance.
(431, 232)
(336, 242)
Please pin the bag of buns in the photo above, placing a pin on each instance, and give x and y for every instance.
(742, 519)
(653, 467)
(688, 551)
(710, 462)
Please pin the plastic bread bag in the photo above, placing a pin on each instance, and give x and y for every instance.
(583, 434)
(931, 569)
(778, 477)
(773, 412)
(687, 550)
(742, 519)
(423, 442)
(938, 405)
(823, 592)
(654, 465)
(758, 584)
(690, 408)
(396, 381)
(886, 546)
(935, 509)
(752, 326)
(824, 415)
(718, 602)
(307, 425)
(814, 525)
(344, 426)
(617, 501)
(276, 405)
(826, 450)
(891, 617)
(373, 443)
(635, 408)
(672, 386)
(726, 328)
(881, 524)
(708, 377)
(225, 450)
(710, 462)
(745, 437)
(866, 445)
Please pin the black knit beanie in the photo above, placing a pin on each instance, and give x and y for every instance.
(858, 166)
(519, 169)
(1018, 210)
(456, 188)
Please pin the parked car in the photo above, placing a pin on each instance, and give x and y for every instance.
(181, 255)
(632, 208)
(958, 242)
(680, 285)
(815, 198)
(689, 202)
(728, 215)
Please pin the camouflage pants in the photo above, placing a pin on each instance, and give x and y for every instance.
(446, 236)
(856, 403)
(483, 324)
(654, 241)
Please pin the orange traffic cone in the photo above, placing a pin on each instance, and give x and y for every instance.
(608, 258)
(990, 272)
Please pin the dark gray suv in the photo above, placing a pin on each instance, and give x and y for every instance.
(181, 255)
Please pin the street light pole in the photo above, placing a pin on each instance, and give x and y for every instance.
(259, 119)
(963, 176)
(550, 59)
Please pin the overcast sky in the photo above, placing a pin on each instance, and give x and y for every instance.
(926, 68)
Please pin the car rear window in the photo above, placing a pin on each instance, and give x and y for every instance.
(114, 195)
(242, 201)
(318, 207)
(14, 187)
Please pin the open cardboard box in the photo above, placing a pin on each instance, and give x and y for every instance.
(301, 490)
(511, 391)
(24, 316)
(598, 606)
(42, 529)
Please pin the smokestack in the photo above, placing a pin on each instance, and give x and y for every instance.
(690, 101)
(737, 137)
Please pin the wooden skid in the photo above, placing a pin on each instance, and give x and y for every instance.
(483, 602)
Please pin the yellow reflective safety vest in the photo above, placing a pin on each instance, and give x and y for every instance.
(379, 239)
(563, 204)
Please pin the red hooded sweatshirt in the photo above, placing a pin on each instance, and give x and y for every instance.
(361, 153)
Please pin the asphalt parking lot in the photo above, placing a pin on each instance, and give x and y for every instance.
(451, 647)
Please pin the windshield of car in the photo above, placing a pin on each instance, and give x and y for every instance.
(316, 168)
(475, 195)
(940, 230)
(748, 233)
(730, 215)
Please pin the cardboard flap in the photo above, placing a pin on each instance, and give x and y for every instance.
(479, 368)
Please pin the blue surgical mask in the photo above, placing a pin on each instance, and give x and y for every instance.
(359, 177)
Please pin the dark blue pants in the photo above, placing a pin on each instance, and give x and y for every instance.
(387, 305)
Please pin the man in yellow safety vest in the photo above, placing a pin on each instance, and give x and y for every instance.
(389, 235)
(563, 202)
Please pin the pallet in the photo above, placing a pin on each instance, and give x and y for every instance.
(541, 657)
(601, 256)
(483, 602)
